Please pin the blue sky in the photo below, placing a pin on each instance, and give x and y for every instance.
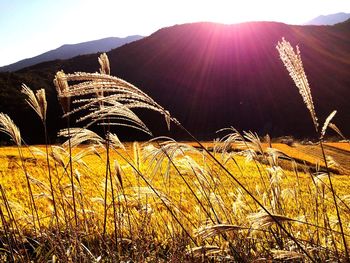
(32, 27)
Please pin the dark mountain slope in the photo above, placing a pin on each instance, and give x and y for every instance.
(232, 75)
(211, 76)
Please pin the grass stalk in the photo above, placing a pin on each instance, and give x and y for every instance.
(248, 192)
(71, 175)
(8, 233)
(49, 173)
(335, 203)
(161, 199)
(14, 225)
(30, 192)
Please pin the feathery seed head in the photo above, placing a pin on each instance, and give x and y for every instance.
(253, 142)
(262, 219)
(326, 123)
(115, 142)
(118, 172)
(336, 129)
(212, 230)
(104, 63)
(293, 63)
(8, 127)
(332, 162)
(62, 89)
(167, 119)
(61, 83)
(276, 174)
(36, 101)
(41, 97)
(109, 99)
(79, 136)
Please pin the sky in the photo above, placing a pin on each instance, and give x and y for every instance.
(31, 27)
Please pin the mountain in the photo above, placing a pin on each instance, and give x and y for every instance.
(72, 50)
(210, 76)
(329, 19)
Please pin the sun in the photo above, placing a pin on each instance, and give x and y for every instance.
(231, 12)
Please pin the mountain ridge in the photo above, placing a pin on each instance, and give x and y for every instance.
(67, 51)
(330, 19)
(210, 76)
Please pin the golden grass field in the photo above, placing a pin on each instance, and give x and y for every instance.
(192, 191)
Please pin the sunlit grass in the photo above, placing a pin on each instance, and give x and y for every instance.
(236, 199)
(136, 202)
(340, 145)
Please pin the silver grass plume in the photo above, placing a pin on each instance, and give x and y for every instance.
(261, 219)
(38, 183)
(136, 154)
(118, 172)
(212, 230)
(188, 164)
(8, 127)
(36, 101)
(333, 163)
(104, 69)
(169, 148)
(274, 155)
(104, 63)
(79, 136)
(115, 142)
(147, 192)
(109, 99)
(293, 63)
(229, 139)
(165, 154)
(61, 84)
(253, 142)
(56, 154)
(61, 156)
(327, 122)
(336, 129)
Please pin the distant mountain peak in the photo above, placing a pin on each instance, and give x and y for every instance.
(331, 19)
(68, 51)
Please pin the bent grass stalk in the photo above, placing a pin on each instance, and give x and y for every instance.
(248, 192)
(39, 104)
(159, 196)
(293, 63)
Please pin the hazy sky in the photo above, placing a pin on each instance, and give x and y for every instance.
(31, 27)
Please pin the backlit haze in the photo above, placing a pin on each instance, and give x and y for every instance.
(29, 28)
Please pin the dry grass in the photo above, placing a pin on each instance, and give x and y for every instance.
(95, 199)
(142, 211)
(340, 145)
